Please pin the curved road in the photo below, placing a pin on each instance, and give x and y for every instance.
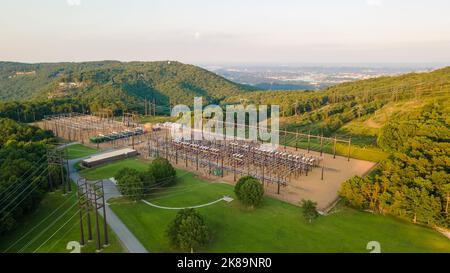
(128, 240)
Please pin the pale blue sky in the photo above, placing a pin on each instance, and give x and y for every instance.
(226, 31)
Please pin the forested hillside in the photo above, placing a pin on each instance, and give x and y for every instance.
(328, 110)
(112, 84)
(415, 181)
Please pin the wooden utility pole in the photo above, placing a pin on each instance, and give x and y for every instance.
(196, 159)
(285, 139)
(81, 204)
(105, 224)
(334, 147)
(278, 183)
(97, 198)
(234, 169)
(185, 156)
(221, 167)
(55, 161)
(323, 159)
(349, 145)
(321, 144)
(309, 140)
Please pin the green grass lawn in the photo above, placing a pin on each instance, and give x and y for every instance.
(79, 150)
(276, 226)
(51, 227)
(109, 170)
(359, 151)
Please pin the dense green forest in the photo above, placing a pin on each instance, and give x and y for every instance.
(23, 170)
(415, 181)
(33, 110)
(113, 84)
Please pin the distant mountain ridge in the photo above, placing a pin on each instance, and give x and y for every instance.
(114, 84)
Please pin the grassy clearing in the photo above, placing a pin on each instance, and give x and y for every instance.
(363, 152)
(79, 150)
(276, 226)
(53, 218)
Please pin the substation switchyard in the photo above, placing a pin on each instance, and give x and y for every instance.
(303, 172)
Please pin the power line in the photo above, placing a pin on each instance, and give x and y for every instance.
(51, 236)
(64, 235)
(26, 172)
(37, 225)
(36, 185)
(21, 183)
(47, 228)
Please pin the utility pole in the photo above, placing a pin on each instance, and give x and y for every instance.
(81, 196)
(321, 144)
(349, 145)
(55, 162)
(96, 196)
(334, 147)
(309, 140)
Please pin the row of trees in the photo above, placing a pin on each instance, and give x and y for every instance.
(35, 110)
(23, 170)
(415, 181)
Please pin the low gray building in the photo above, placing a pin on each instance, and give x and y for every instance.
(109, 157)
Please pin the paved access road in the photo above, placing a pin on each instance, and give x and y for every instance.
(128, 240)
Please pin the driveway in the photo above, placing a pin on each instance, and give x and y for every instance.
(128, 240)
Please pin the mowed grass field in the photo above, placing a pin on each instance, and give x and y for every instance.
(79, 150)
(52, 226)
(358, 151)
(275, 226)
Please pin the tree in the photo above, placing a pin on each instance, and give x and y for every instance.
(351, 191)
(309, 210)
(188, 230)
(148, 180)
(249, 191)
(163, 172)
(421, 206)
(23, 180)
(130, 184)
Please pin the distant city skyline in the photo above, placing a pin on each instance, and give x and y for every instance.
(228, 32)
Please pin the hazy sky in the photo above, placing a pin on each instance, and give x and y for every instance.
(226, 31)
